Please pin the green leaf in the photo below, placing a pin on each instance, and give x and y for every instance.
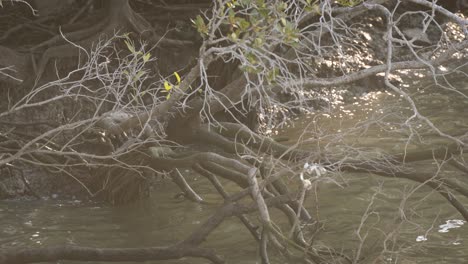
(232, 4)
(177, 77)
(264, 12)
(261, 3)
(349, 3)
(167, 86)
(314, 8)
(130, 46)
(271, 76)
(258, 42)
(251, 58)
(283, 21)
(200, 25)
(281, 6)
(250, 69)
(146, 57)
(243, 24)
(138, 75)
(233, 36)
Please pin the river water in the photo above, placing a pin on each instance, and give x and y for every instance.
(431, 230)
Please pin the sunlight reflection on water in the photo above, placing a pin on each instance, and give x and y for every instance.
(374, 121)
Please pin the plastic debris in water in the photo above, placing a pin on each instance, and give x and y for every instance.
(314, 169)
(421, 238)
(450, 224)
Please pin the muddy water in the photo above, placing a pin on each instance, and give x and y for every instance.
(420, 226)
(431, 230)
